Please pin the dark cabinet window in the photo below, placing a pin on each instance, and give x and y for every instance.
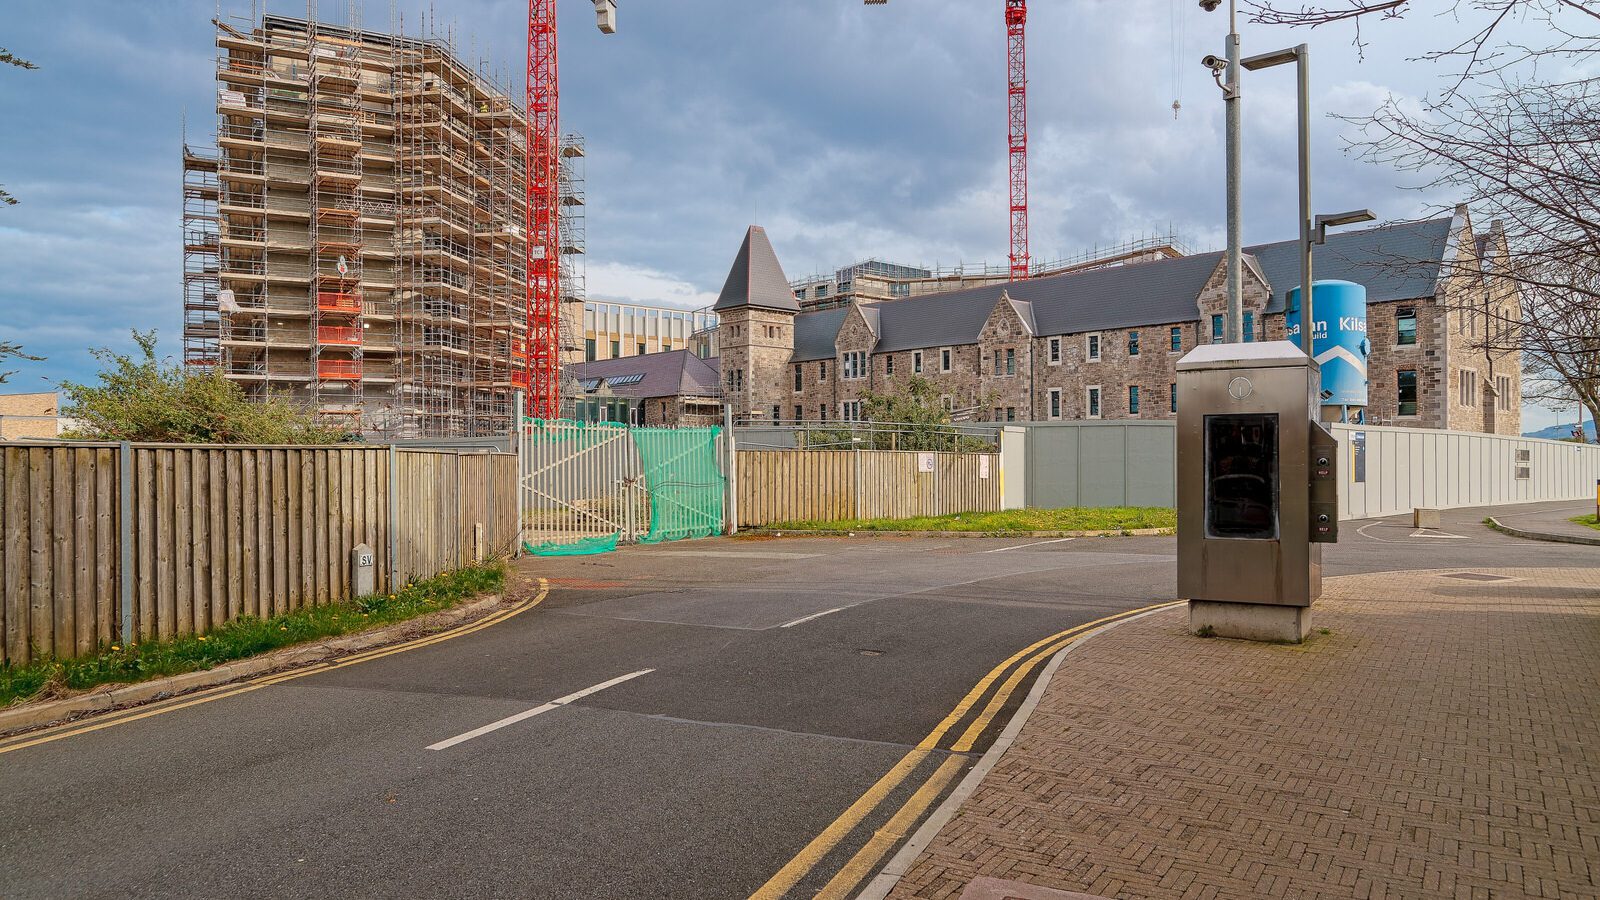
(1241, 462)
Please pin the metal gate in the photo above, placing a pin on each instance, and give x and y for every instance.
(584, 486)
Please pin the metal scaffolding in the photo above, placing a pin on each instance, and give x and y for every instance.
(356, 243)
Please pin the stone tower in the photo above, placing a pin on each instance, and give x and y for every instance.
(755, 330)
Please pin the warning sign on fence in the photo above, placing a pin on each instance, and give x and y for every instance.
(924, 462)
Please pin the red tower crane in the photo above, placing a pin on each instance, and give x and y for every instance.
(1017, 132)
(542, 216)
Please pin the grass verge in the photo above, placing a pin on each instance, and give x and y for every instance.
(1590, 521)
(244, 637)
(1112, 518)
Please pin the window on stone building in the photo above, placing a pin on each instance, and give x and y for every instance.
(1216, 329)
(1092, 401)
(822, 372)
(1172, 395)
(1249, 326)
(1405, 322)
(888, 364)
(997, 362)
(1467, 387)
(1177, 339)
(777, 414)
(1502, 392)
(996, 415)
(1055, 351)
(1055, 403)
(916, 361)
(1133, 343)
(1133, 400)
(1406, 385)
(851, 410)
(799, 413)
(1011, 414)
(798, 375)
(822, 413)
(1011, 361)
(1091, 347)
(853, 365)
(944, 359)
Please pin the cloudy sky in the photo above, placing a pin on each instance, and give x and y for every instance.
(848, 131)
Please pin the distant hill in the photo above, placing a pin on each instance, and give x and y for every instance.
(1559, 432)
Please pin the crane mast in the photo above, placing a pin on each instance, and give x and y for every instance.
(541, 214)
(1017, 133)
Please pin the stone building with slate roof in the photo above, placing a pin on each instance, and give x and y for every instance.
(1103, 343)
(671, 388)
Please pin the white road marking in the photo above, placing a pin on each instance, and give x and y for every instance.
(803, 619)
(528, 714)
(1020, 546)
(1428, 533)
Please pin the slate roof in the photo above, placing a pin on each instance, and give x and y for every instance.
(756, 278)
(814, 333)
(1395, 262)
(666, 374)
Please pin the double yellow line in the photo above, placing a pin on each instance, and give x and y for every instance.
(256, 684)
(867, 858)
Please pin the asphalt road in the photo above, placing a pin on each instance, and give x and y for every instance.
(773, 682)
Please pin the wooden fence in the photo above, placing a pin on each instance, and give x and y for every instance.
(107, 542)
(828, 485)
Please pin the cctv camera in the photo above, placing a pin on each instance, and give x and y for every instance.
(1213, 63)
(1210, 5)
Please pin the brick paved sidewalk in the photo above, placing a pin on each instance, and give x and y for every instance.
(1443, 740)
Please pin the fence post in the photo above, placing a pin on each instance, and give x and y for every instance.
(517, 445)
(394, 523)
(125, 537)
(730, 494)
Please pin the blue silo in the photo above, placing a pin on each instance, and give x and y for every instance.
(1339, 343)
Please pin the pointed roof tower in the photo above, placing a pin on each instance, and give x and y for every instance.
(756, 279)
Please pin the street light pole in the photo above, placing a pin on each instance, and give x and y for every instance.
(1300, 56)
(1235, 179)
(1303, 77)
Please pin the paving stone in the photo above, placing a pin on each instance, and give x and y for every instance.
(1440, 741)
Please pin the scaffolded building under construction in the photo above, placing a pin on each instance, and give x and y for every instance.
(355, 241)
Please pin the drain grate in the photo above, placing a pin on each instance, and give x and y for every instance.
(1477, 576)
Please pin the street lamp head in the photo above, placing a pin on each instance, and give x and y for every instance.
(1210, 5)
(1268, 60)
(1346, 218)
(1323, 223)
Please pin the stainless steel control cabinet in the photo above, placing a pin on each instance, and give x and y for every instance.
(1257, 486)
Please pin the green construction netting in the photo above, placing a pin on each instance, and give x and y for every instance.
(580, 547)
(685, 484)
(680, 476)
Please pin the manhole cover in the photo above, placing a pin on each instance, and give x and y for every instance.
(1477, 576)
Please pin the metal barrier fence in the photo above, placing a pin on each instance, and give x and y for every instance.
(591, 485)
